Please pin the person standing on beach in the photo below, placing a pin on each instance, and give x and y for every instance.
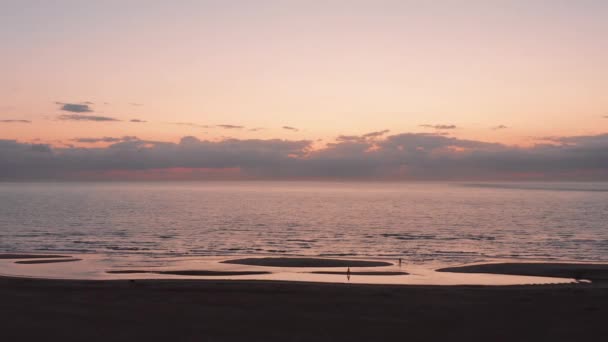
(348, 274)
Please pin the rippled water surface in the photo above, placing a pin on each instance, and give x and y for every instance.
(420, 222)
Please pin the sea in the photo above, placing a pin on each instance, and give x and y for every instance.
(420, 222)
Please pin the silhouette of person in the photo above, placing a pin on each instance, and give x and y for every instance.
(348, 274)
(399, 262)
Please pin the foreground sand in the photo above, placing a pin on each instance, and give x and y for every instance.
(168, 310)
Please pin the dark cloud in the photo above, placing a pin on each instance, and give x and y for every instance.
(104, 139)
(41, 148)
(15, 121)
(256, 156)
(81, 117)
(362, 138)
(406, 156)
(350, 138)
(190, 124)
(75, 107)
(289, 128)
(499, 127)
(230, 126)
(439, 126)
(587, 140)
(376, 134)
(137, 120)
(256, 129)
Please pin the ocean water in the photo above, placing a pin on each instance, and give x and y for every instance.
(419, 222)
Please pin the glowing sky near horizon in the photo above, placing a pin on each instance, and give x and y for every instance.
(327, 68)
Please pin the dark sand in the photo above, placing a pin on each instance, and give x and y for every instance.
(192, 272)
(196, 310)
(367, 273)
(45, 261)
(593, 272)
(306, 262)
(31, 256)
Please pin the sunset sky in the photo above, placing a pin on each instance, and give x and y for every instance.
(485, 88)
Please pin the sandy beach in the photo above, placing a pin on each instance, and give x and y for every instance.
(233, 310)
(155, 310)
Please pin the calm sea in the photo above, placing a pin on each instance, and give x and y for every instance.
(420, 222)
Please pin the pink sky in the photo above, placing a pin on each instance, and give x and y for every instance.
(510, 72)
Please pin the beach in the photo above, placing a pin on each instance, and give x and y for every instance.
(155, 310)
(256, 310)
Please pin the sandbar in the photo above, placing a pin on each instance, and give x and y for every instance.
(365, 273)
(45, 261)
(593, 272)
(191, 272)
(305, 262)
(31, 256)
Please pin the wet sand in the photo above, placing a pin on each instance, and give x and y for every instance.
(99, 267)
(200, 310)
(31, 256)
(29, 262)
(192, 272)
(366, 273)
(593, 272)
(306, 262)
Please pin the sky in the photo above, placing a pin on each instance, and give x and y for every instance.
(355, 89)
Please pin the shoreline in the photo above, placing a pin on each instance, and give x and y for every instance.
(294, 269)
(237, 309)
(299, 269)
